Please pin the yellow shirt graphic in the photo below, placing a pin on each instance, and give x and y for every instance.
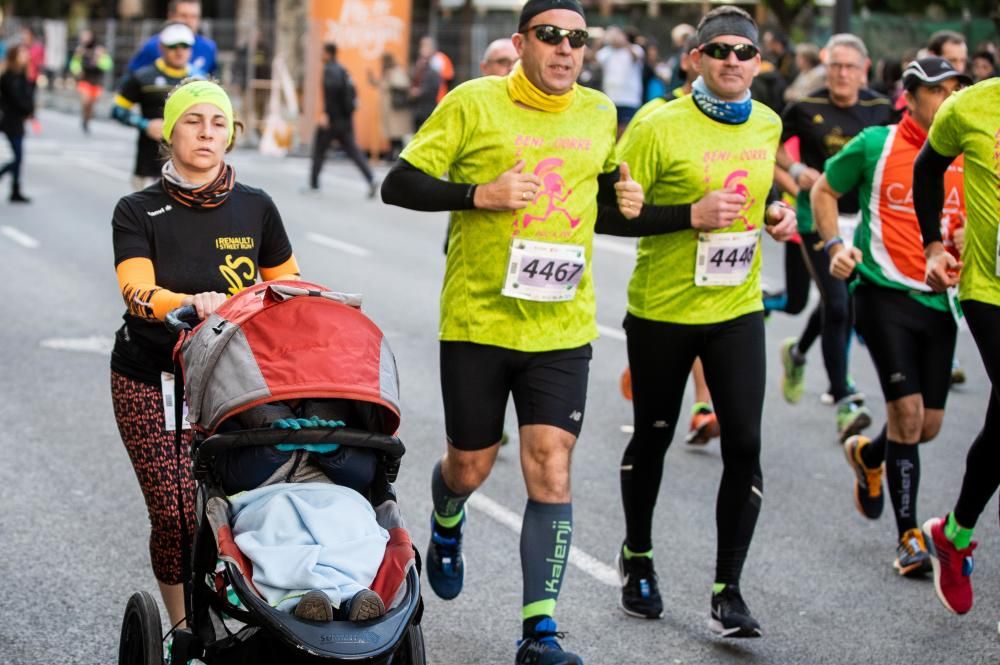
(474, 135)
(678, 154)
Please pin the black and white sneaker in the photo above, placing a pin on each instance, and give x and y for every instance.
(640, 595)
(730, 616)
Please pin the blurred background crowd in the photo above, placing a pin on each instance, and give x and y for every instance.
(403, 55)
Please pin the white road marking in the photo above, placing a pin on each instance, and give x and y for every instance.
(615, 246)
(597, 569)
(333, 243)
(93, 165)
(20, 237)
(613, 333)
(93, 344)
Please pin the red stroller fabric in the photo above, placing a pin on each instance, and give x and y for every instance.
(286, 340)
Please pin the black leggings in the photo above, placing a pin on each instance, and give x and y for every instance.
(660, 356)
(837, 314)
(982, 466)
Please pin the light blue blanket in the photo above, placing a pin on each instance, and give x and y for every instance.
(303, 536)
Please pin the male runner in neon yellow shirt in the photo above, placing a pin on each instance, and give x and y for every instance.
(696, 292)
(528, 157)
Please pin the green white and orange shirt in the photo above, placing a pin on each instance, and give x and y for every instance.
(879, 162)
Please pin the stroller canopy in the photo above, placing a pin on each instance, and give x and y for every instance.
(286, 340)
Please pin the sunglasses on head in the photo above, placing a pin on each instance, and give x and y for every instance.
(721, 51)
(550, 34)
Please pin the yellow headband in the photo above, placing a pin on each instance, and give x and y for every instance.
(190, 94)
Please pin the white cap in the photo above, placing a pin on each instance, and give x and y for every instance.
(176, 33)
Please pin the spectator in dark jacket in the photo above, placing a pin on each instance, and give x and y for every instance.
(336, 122)
(16, 106)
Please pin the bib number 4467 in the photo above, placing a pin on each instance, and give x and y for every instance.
(544, 271)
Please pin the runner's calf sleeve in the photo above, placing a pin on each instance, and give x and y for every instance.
(546, 533)
(902, 468)
(447, 504)
(874, 453)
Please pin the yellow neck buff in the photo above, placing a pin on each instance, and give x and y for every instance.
(191, 94)
(523, 91)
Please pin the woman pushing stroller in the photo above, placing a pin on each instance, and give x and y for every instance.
(194, 237)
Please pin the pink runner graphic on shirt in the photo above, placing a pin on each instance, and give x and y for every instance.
(553, 187)
(735, 181)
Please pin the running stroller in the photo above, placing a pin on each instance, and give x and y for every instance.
(280, 341)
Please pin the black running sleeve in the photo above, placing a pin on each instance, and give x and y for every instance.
(928, 191)
(409, 187)
(653, 220)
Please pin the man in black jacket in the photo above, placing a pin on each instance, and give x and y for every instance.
(335, 123)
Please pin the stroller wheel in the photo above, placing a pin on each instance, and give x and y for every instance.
(411, 650)
(141, 641)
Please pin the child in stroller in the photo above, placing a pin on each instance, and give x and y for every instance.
(246, 469)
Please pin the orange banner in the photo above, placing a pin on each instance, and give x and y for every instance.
(362, 30)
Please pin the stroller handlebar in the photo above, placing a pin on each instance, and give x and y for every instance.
(182, 318)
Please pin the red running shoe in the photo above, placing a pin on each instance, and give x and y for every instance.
(952, 567)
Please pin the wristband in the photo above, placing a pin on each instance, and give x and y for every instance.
(797, 169)
(470, 197)
(831, 242)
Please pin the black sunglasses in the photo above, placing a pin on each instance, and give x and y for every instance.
(550, 34)
(721, 51)
(173, 47)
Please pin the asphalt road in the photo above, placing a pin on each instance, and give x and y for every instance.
(73, 529)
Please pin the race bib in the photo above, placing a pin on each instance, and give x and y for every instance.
(724, 259)
(544, 271)
(167, 387)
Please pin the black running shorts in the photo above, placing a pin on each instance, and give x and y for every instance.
(549, 388)
(911, 345)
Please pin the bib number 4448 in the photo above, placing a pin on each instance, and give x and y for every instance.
(725, 259)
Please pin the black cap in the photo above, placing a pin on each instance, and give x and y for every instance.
(931, 71)
(533, 8)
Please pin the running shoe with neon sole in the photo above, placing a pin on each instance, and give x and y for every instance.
(704, 425)
(912, 558)
(952, 567)
(852, 416)
(640, 595)
(445, 562)
(793, 374)
(868, 497)
(543, 649)
(730, 616)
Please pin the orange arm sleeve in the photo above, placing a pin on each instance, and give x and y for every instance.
(146, 300)
(287, 270)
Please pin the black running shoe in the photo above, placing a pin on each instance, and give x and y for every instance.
(640, 591)
(730, 616)
(543, 649)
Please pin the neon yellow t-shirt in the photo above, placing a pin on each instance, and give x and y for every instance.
(969, 122)
(476, 133)
(678, 154)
